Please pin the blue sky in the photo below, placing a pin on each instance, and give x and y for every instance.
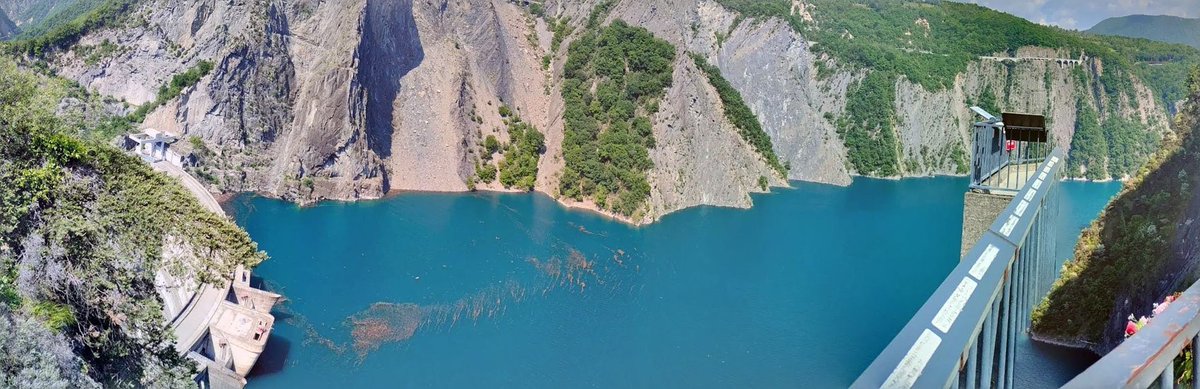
(1083, 14)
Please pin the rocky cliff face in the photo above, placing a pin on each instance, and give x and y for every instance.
(348, 100)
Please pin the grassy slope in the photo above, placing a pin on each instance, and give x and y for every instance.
(1126, 254)
(888, 40)
(1171, 29)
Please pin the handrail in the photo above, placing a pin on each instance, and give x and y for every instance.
(993, 153)
(1149, 355)
(929, 350)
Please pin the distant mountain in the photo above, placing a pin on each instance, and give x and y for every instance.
(1171, 29)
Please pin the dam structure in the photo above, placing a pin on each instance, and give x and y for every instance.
(222, 328)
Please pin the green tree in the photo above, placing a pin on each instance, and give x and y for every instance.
(608, 131)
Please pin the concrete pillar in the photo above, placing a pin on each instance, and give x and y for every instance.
(979, 211)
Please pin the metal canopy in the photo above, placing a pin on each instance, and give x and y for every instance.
(1025, 127)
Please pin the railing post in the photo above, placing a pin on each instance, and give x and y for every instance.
(1005, 311)
(1167, 379)
(1195, 362)
(971, 356)
(1019, 290)
(1012, 332)
(989, 345)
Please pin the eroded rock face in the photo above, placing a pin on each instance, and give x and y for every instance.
(354, 99)
(700, 159)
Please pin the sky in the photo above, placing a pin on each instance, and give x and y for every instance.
(1083, 14)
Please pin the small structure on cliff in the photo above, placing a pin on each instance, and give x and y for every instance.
(156, 146)
(1005, 154)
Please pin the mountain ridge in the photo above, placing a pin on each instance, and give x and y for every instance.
(1164, 28)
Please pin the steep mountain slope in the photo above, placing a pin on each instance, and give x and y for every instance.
(84, 229)
(316, 100)
(1163, 28)
(1144, 246)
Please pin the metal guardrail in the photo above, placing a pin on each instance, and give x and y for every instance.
(965, 333)
(1002, 164)
(1149, 355)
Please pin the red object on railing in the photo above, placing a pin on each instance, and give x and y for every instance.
(1010, 145)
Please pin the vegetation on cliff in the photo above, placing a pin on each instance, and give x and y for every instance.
(56, 14)
(1126, 259)
(1090, 145)
(519, 167)
(614, 78)
(740, 115)
(930, 43)
(173, 89)
(84, 228)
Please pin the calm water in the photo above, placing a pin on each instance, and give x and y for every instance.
(515, 291)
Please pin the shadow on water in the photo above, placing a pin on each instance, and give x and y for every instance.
(258, 282)
(274, 358)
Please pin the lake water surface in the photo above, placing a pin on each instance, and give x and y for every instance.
(513, 290)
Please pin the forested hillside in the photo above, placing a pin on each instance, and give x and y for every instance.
(1163, 28)
(608, 131)
(1143, 246)
(84, 227)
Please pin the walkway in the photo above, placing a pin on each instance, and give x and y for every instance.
(198, 190)
(233, 332)
(1011, 178)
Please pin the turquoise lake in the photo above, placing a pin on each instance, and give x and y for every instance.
(513, 290)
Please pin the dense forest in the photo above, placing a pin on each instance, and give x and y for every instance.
(614, 77)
